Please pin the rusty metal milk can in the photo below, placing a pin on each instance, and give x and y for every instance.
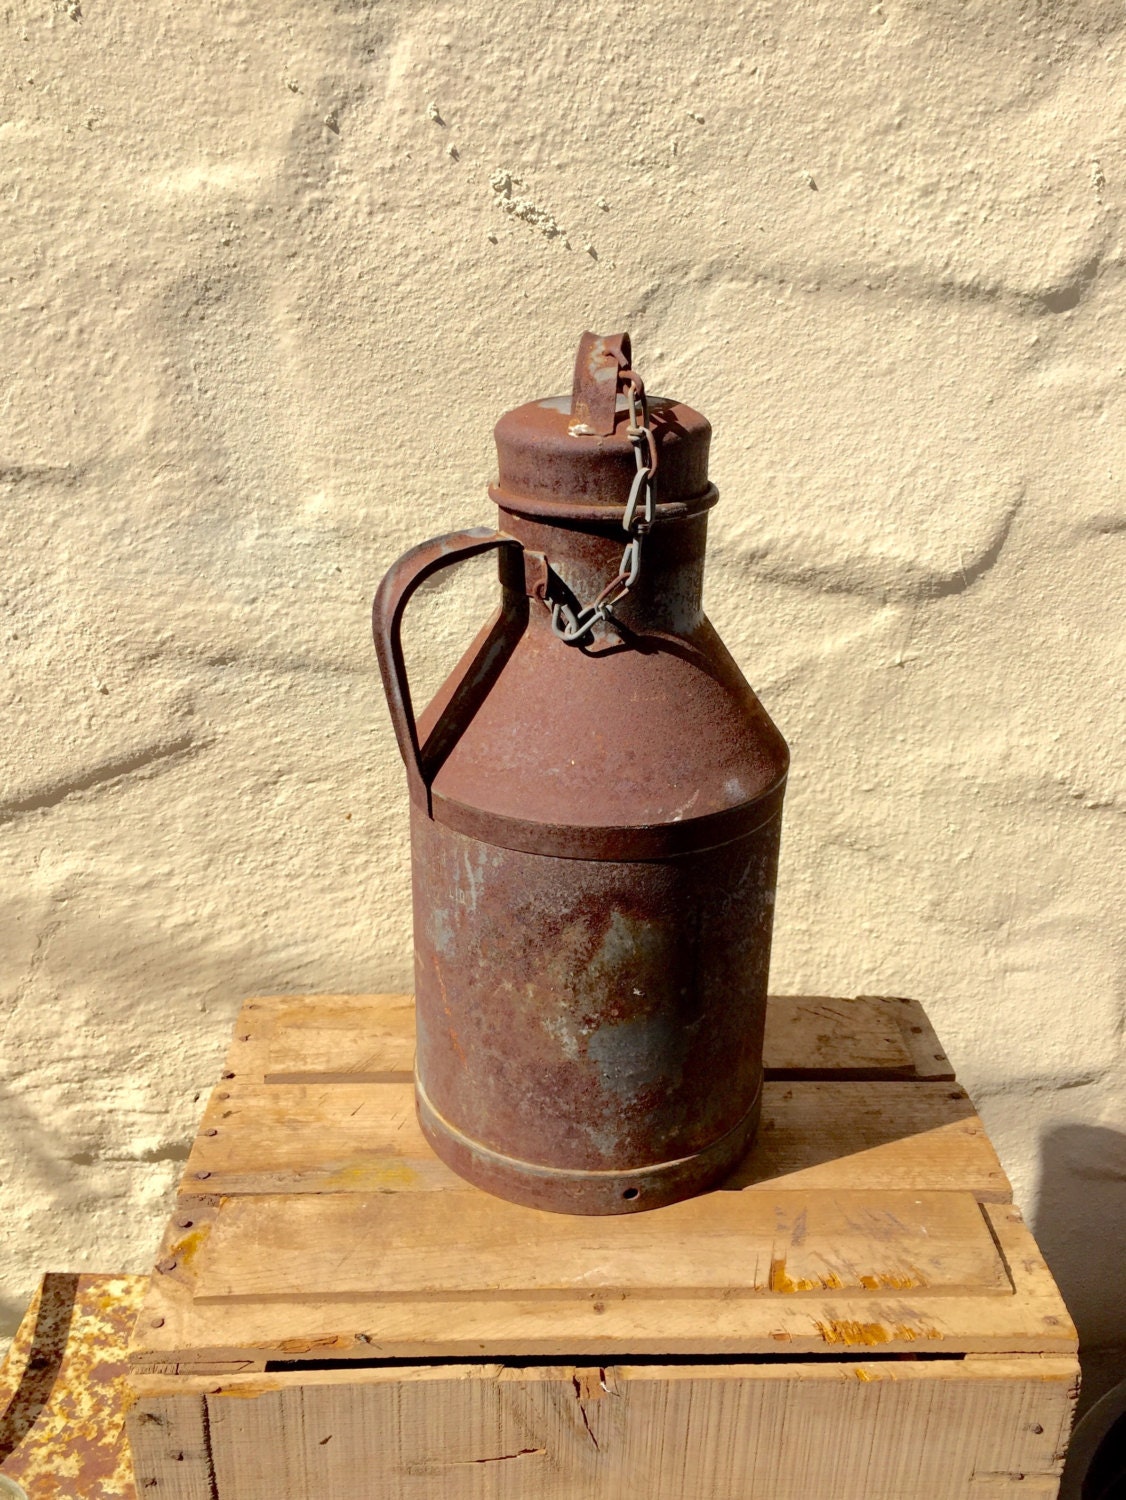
(596, 800)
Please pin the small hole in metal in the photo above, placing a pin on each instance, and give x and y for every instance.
(631, 1193)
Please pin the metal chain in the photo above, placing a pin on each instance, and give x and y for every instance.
(574, 626)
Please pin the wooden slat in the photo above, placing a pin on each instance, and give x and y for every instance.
(171, 1447)
(177, 1329)
(731, 1244)
(811, 1036)
(369, 1038)
(887, 1136)
(288, 1138)
(857, 1431)
(928, 1055)
(336, 1039)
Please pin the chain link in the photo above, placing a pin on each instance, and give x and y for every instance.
(574, 626)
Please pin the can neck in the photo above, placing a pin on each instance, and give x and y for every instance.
(584, 558)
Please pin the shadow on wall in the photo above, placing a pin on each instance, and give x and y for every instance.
(1081, 1228)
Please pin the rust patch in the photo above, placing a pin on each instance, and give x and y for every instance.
(455, 1040)
(64, 1389)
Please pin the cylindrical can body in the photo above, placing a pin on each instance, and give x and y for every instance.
(595, 816)
(590, 1031)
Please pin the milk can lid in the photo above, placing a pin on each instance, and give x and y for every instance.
(571, 456)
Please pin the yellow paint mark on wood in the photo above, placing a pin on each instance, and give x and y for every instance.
(186, 1249)
(893, 1281)
(906, 1334)
(779, 1281)
(385, 1175)
(849, 1331)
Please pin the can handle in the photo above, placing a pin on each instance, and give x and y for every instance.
(391, 600)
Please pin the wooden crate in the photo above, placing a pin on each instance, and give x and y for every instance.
(859, 1312)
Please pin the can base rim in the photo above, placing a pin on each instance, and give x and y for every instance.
(566, 1191)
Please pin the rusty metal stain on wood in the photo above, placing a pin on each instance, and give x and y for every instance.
(64, 1391)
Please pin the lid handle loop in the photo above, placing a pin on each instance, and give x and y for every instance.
(599, 366)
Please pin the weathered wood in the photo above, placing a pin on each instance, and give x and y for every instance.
(947, 1430)
(325, 1042)
(928, 1055)
(316, 1237)
(726, 1244)
(822, 1136)
(349, 1137)
(600, 1325)
(171, 1446)
(369, 1257)
(370, 1039)
(872, 1038)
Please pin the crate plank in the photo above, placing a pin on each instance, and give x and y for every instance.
(927, 1053)
(171, 1447)
(370, 1038)
(304, 1176)
(811, 1036)
(372, 1042)
(177, 1328)
(360, 1137)
(732, 1244)
(818, 1136)
(854, 1431)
